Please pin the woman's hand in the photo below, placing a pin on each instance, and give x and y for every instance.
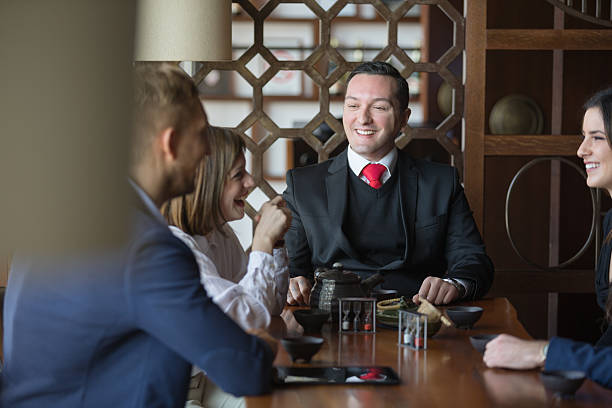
(507, 351)
(273, 220)
(299, 291)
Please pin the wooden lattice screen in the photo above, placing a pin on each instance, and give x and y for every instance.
(598, 13)
(390, 13)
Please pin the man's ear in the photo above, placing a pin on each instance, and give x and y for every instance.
(404, 119)
(168, 141)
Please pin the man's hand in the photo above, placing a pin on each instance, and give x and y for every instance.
(262, 334)
(511, 352)
(299, 291)
(273, 220)
(436, 291)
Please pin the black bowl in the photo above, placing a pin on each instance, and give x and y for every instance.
(464, 317)
(311, 319)
(302, 348)
(384, 294)
(480, 341)
(562, 383)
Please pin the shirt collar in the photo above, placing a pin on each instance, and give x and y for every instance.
(148, 202)
(357, 162)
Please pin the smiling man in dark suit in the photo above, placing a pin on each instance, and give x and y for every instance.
(374, 208)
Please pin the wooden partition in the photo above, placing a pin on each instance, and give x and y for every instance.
(554, 54)
(326, 65)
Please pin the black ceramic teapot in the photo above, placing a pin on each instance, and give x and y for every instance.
(332, 284)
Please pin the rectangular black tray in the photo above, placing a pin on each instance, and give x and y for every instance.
(335, 375)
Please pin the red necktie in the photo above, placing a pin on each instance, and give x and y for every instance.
(372, 172)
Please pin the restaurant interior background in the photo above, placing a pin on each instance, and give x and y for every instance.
(283, 93)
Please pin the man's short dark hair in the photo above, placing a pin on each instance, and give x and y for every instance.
(386, 69)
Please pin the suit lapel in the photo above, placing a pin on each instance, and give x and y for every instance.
(336, 184)
(408, 183)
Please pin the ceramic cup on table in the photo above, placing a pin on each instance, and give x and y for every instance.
(479, 341)
(563, 384)
(464, 317)
(302, 348)
(311, 320)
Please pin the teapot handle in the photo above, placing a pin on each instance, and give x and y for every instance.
(371, 281)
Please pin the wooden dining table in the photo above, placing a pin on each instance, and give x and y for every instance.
(449, 373)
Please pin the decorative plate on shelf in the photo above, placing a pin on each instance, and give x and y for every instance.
(445, 99)
(516, 115)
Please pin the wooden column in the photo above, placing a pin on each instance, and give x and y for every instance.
(555, 175)
(475, 12)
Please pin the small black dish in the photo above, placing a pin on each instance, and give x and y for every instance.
(302, 348)
(311, 319)
(464, 317)
(384, 294)
(480, 341)
(562, 383)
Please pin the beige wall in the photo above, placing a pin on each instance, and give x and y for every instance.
(65, 120)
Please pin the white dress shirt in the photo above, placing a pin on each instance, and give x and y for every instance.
(357, 163)
(249, 292)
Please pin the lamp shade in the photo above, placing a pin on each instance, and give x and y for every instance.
(183, 30)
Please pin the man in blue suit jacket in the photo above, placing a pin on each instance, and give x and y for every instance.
(123, 327)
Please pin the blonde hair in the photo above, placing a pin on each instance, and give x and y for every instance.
(199, 213)
(164, 95)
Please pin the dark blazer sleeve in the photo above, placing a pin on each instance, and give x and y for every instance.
(602, 273)
(565, 354)
(299, 251)
(464, 251)
(167, 301)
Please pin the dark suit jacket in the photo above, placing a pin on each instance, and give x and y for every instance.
(602, 272)
(602, 278)
(436, 219)
(121, 329)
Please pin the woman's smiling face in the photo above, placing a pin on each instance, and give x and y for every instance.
(595, 151)
(238, 184)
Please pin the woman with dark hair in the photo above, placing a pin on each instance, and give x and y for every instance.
(602, 102)
(564, 354)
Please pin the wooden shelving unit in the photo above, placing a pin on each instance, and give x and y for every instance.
(532, 48)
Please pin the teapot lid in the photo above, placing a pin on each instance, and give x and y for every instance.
(337, 274)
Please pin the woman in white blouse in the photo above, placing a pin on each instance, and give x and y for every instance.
(248, 290)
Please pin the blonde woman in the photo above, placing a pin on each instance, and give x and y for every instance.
(248, 290)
